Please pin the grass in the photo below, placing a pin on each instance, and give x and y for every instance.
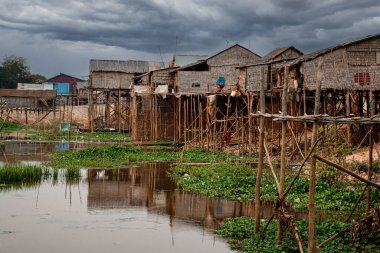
(55, 135)
(113, 156)
(19, 176)
(8, 127)
(17, 173)
(51, 132)
(237, 182)
(239, 232)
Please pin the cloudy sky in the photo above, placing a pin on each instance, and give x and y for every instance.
(62, 35)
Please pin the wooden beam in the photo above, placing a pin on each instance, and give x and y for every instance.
(362, 179)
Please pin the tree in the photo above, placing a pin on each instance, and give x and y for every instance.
(36, 78)
(16, 70)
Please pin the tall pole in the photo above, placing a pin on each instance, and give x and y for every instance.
(283, 147)
(261, 153)
(370, 151)
(313, 167)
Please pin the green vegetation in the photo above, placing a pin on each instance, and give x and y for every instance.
(239, 231)
(8, 127)
(52, 133)
(111, 156)
(19, 176)
(15, 70)
(237, 182)
(17, 173)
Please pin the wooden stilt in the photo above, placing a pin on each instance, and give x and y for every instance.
(313, 167)
(261, 153)
(283, 148)
(370, 151)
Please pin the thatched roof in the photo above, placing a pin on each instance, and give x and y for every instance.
(119, 66)
(278, 52)
(346, 43)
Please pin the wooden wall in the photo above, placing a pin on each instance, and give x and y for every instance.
(110, 80)
(162, 77)
(253, 77)
(340, 68)
(187, 81)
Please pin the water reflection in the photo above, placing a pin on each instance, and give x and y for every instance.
(31, 151)
(149, 186)
(133, 209)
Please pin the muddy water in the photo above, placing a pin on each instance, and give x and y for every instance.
(31, 151)
(127, 210)
(132, 209)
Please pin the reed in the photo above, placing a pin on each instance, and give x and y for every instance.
(13, 173)
(20, 176)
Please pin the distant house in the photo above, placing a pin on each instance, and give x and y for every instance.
(64, 84)
(27, 99)
(219, 70)
(273, 65)
(351, 65)
(110, 84)
(114, 74)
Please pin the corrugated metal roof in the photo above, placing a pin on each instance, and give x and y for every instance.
(119, 66)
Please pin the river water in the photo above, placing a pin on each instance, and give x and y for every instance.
(132, 209)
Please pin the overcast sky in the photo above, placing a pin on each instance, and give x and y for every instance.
(62, 35)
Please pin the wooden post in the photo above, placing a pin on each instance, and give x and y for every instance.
(107, 109)
(90, 109)
(119, 118)
(313, 167)
(283, 147)
(200, 108)
(179, 118)
(250, 98)
(261, 153)
(348, 112)
(370, 150)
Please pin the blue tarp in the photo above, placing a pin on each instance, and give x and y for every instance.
(61, 88)
(221, 80)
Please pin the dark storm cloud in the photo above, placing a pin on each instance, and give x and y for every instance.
(200, 25)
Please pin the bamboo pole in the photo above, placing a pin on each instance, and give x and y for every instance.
(283, 148)
(250, 98)
(261, 153)
(200, 122)
(119, 112)
(348, 112)
(207, 126)
(289, 187)
(179, 118)
(362, 179)
(370, 151)
(313, 167)
(357, 203)
(278, 186)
